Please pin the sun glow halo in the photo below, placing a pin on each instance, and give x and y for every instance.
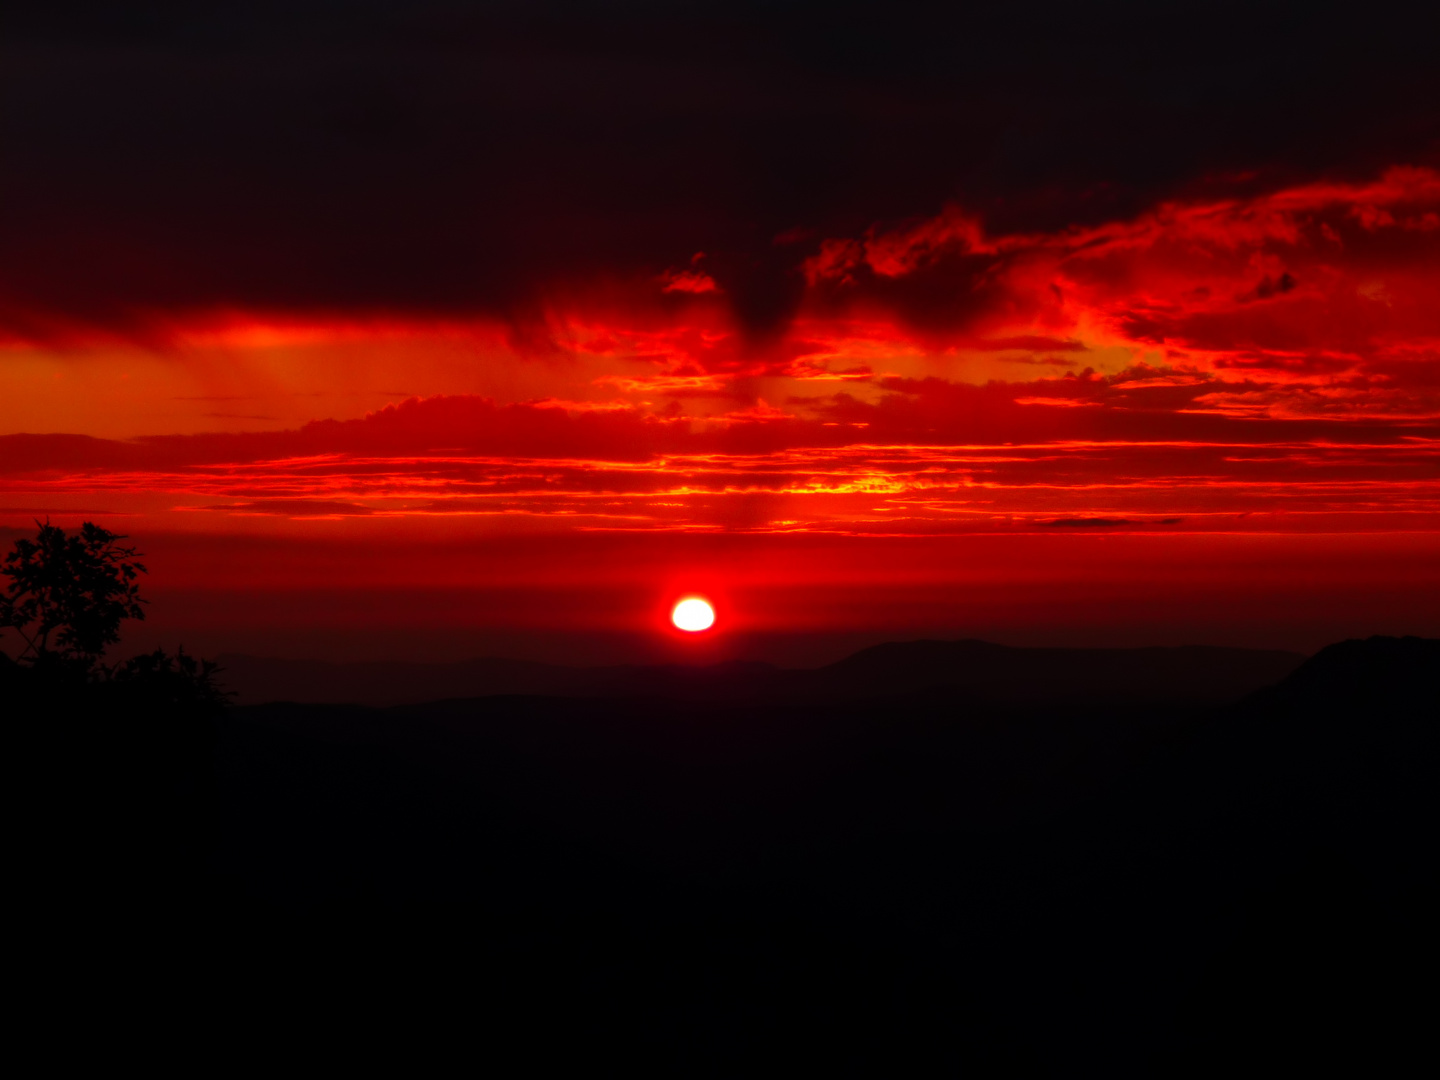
(693, 615)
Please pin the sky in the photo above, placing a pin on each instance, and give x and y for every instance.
(433, 329)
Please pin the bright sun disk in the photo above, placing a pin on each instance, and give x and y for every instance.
(693, 615)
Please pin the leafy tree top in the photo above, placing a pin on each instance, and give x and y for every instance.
(67, 593)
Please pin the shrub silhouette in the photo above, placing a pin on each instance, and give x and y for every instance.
(181, 682)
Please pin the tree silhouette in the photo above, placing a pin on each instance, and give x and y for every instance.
(68, 594)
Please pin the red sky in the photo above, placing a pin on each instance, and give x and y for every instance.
(1206, 411)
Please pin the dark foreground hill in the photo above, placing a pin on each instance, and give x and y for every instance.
(979, 669)
(927, 883)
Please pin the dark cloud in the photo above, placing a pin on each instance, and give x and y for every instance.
(295, 508)
(950, 291)
(440, 157)
(1104, 523)
(1033, 343)
(1138, 405)
(46, 511)
(1269, 287)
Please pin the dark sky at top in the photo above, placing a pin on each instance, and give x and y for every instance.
(437, 158)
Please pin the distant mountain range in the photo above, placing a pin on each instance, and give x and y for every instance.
(931, 857)
(996, 674)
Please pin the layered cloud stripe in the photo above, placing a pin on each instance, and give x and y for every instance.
(1253, 363)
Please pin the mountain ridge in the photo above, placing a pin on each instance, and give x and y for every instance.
(1001, 674)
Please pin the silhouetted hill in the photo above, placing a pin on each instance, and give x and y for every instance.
(1377, 672)
(929, 870)
(998, 673)
(1192, 675)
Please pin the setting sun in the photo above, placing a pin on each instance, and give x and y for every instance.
(693, 615)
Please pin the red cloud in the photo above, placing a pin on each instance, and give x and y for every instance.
(1324, 266)
(1277, 353)
(1144, 445)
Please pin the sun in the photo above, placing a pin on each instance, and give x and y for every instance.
(693, 615)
